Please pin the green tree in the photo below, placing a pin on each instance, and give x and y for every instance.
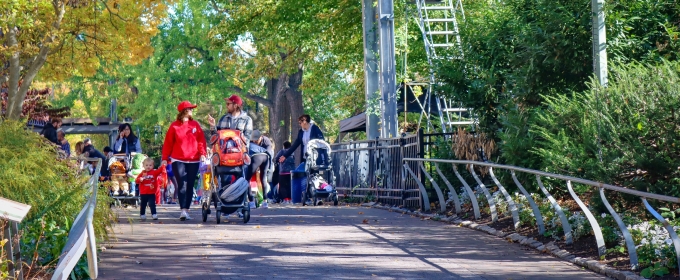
(70, 38)
(288, 39)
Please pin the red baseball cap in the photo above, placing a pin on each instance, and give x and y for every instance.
(185, 105)
(235, 99)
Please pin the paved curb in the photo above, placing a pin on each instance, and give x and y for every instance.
(549, 248)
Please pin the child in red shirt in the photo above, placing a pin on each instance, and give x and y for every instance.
(149, 181)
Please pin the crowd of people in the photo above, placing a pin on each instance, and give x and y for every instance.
(184, 151)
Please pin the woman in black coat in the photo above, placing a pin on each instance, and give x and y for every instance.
(308, 132)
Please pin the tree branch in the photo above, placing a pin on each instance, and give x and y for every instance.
(112, 13)
(258, 99)
(244, 51)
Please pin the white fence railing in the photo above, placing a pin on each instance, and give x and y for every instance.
(81, 237)
(631, 246)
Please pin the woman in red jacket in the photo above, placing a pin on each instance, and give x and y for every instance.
(184, 147)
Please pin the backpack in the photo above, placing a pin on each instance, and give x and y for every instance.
(230, 148)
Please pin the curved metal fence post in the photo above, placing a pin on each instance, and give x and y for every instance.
(426, 200)
(440, 195)
(532, 203)
(599, 239)
(489, 198)
(511, 203)
(81, 237)
(565, 222)
(630, 244)
(669, 228)
(454, 194)
(471, 194)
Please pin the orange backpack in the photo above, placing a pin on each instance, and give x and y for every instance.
(230, 147)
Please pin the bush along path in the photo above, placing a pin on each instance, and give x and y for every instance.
(32, 174)
(504, 229)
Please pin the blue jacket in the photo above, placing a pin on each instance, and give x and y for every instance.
(256, 149)
(315, 133)
(288, 165)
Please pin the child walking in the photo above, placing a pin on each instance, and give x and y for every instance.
(149, 181)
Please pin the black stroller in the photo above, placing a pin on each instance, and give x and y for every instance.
(228, 188)
(222, 196)
(318, 164)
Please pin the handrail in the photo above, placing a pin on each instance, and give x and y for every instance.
(557, 176)
(81, 237)
(569, 180)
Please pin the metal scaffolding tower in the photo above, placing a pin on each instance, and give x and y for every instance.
(438, 22)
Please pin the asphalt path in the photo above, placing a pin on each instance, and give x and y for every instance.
(322, 242)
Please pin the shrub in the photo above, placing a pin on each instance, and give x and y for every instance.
(31, 173)
(634, 122)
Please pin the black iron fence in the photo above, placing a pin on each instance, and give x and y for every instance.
(372, 170)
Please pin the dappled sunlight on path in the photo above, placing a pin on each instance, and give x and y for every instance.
(311, 242)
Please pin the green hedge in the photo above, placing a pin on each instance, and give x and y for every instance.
(637, 119)
(30, 173)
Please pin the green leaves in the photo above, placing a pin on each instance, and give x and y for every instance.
(633, 130)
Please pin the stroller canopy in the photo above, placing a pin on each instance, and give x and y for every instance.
(318, 153)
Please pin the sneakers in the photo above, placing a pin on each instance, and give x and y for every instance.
(183, 215)
(154, 216)
(143, 217)
(239, 214)
(265, 205)
(252, 205)
(186, 216)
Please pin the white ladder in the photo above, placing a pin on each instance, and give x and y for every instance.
(439, 25)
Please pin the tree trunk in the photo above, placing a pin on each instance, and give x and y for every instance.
(294, 96)
(17, 86)
(279, 116)
(258, 117)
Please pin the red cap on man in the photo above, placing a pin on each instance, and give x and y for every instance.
(185, 105)
(235, 99)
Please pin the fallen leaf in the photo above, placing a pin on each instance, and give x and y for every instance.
(256, 226)
(365, 221)
(361, 213)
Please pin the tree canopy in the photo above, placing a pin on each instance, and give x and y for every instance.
(70, 38)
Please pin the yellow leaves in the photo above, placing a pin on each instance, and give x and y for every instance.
(118, 30)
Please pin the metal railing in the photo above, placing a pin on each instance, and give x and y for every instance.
(81, 237)
(361, 169)
(408, 163)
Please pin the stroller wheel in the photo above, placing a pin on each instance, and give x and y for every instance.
(335, 200)
(246, 216)
(316, 201)
(204, 212)
(217, 216)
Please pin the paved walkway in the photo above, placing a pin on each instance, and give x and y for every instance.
(323, 242)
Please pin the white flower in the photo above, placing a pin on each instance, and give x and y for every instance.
(604, 215)
(669, 241)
